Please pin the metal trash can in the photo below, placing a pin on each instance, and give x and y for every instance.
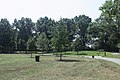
(92, 56)
(37, 58)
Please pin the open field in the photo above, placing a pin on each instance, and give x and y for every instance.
(21, 67)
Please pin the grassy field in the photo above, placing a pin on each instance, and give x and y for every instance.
(93, 53)
(22, 67)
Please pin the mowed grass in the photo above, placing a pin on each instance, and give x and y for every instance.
(22, 67)
(93, 53)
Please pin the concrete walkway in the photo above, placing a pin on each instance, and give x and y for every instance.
(104, 58)
(115, 53)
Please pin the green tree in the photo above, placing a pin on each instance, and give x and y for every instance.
(78, 45)
(24, 30)
(6, 36)
(31, 46)
(82, 22)
(110, 19)
(60, 40)
(42, 42)
(47, 26)
(70, 26)
(107, 27)
(118, 46)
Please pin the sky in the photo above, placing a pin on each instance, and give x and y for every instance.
(54, 9)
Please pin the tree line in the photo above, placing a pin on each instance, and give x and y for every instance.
(78, 33)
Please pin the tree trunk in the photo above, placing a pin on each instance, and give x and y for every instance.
(77, 52)
(31, 54)
(61, 56)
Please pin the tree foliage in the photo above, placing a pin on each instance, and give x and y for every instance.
(23, 29)
(60, 39)
(63, 35)
(42, 42)
(6, 36)
(107, 26)
(82, 22)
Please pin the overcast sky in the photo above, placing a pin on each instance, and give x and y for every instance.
(54, 9)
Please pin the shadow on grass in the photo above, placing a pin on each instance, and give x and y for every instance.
(81, 53)
(62, 56)
(32, 57)
(69, 60)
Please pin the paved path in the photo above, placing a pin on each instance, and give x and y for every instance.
(115, 53)
(109, 59)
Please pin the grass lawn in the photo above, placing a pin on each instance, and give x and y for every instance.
(21, 67)
(93, 53)
(113, 56)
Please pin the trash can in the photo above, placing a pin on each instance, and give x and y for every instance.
(37, 58)
(92, 56)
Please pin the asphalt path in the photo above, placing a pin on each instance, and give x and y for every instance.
(108, 59)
